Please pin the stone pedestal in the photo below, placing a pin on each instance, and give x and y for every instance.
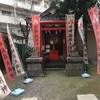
(74, 69)
(74, 66)
(75, 59)
(34, 66)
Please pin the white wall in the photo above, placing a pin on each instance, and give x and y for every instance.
(22, 8)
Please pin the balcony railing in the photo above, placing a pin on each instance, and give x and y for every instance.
(23, 5)
(5, 2)
(38, 8)
(11, 20)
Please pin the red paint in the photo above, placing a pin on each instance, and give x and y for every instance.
(6, 59)
(43, 28)
(53, 28)
(93, 13)
(53, 22)
(36, 32)
(53, 55)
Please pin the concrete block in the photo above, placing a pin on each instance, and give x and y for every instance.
(74, 59)
(34, 67)
(31, 59)
(74, 69)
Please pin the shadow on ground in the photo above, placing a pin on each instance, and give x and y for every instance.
(56, 86)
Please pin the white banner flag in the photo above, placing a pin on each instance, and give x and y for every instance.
(82, 35)
(80, 28)
(16, 60)
(4, 89)
(70, 27)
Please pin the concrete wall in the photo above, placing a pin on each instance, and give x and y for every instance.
(91, 46)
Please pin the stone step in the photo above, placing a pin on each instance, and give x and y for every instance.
(54, 64)
(55, 69)
(54, 61)
(32, 59)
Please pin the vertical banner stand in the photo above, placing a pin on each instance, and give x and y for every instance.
(27, 79)
(85, 74)
(18, 91)
(82, 35)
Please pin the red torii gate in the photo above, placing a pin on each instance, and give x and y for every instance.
(42, 27)
(53, 22)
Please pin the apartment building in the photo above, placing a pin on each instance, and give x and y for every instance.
(15, 11)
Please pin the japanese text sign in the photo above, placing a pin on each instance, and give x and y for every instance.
(4, 89)
(93, 13)
(6, 59)
(36, 32)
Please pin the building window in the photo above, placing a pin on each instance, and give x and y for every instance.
(7, 13)
(21, 16)
(20, 32)
(36, 3)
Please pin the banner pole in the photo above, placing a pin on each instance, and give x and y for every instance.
(85, 74)
(82, 35)
(18, 91)
(27, 79)
(19, 68)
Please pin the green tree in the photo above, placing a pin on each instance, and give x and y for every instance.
(55, 3)
(78, 7)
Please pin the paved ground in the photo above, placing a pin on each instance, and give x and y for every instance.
(56, 86)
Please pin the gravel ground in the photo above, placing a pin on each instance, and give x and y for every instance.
(56, 86)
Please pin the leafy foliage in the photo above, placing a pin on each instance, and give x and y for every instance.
(55, 3)
(28, 51)
(78, 7)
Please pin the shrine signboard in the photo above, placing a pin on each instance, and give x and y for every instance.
(36, 32)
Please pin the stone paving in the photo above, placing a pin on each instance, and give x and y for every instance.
(56, 86)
